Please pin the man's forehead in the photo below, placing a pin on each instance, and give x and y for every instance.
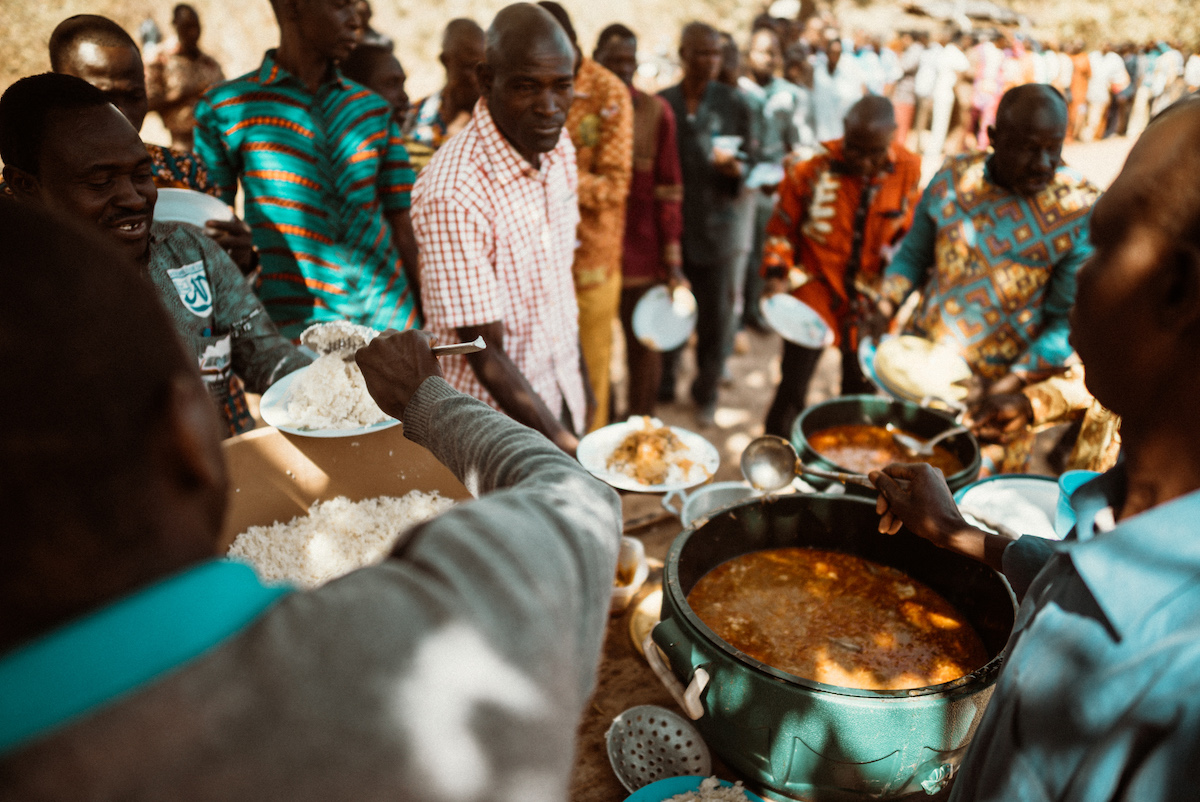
(92, 61)
(540, 57)
(87, 138)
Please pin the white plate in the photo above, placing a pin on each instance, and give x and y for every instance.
(663, 322)
(189, 206)
(796, 321)
(595, 449)
(273, 408)
(1022, 502)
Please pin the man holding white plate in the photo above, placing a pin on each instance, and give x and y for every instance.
(836, 216)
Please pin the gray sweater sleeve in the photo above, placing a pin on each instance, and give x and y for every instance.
(533, 558)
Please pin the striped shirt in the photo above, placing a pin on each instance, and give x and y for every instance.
(497, 239)
(319, 173)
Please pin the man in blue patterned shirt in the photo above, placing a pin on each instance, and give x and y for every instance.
(996, 242)
(325, 174)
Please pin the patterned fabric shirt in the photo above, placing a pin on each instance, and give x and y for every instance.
(814, 227)
(600, 123)
(497, 239)
(219, 319)
(319, 173)
(654, 211)
(425, 124)
(997, 268)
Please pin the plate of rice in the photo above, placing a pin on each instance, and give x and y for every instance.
(328, 398)
(693, 789)
(643, 455)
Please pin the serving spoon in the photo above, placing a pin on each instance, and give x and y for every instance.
(916, 447)
(770, 463)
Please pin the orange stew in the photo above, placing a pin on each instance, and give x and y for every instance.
(862, 449)
(838, 619)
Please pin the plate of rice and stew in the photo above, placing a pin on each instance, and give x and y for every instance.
(644, 456)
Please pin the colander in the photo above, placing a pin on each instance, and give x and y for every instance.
(648, 743)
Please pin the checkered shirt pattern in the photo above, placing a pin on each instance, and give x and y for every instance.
(497, 239)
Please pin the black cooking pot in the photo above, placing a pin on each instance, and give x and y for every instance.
(879, 411)
(793, 738)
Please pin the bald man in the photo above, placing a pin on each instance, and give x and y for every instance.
(836, 215)
(995, 245)
(1097, 700)
(443, 114)
(495, 214)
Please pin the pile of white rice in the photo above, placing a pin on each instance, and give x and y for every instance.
(711, 790)
(335, 538)
(331, 394)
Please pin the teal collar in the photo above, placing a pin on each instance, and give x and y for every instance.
(96, 659)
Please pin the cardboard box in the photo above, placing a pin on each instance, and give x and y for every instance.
(275, 476)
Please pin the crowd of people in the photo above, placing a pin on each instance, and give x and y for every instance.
(532, 201)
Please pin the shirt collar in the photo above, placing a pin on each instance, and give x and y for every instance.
(271, 73)
(104, 655)
(507, 164)
(1141, 563)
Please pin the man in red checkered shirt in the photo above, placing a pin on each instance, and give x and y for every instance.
(495, 215)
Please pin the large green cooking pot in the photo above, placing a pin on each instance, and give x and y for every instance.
(792, 738)
(879, 411)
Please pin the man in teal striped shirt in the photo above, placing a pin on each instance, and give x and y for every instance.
(325, 175)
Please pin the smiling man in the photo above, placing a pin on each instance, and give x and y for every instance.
(325, 174)
(495, 214)
(67, 148)
(996, 242)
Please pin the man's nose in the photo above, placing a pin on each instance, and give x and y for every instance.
(130, 195)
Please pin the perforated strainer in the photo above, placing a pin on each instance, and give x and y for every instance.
(648, 743)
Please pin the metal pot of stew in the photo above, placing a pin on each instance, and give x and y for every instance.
(796, 738)
(848, 434)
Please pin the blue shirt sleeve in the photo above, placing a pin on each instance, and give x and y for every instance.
(910, 268)
(1023, 560)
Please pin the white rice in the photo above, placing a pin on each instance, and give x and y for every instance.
(331, 394)
(711, 790)
(335, 538)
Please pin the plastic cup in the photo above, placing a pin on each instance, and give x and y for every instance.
(1068, 483)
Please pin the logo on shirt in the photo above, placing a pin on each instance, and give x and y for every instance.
(589, 131)
(215, 360)
(191, 282)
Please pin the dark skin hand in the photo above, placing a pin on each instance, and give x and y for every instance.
(496, 372)
(395, 365)
(999, 418)
(235, 238)
(916, 496)
(406, 244)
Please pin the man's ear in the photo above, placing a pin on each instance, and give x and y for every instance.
(1180, 297)
(991, 132)
(23, 184)
(486, 75)
(193, 429)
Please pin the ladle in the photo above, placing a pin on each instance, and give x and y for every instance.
(770, 463)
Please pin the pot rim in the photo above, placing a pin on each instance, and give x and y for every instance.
(984, 673)
(967, 471)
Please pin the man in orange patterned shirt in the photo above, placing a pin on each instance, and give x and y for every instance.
(600, 124)
(837, 213)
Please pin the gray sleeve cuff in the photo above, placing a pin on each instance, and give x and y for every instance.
(418, 415)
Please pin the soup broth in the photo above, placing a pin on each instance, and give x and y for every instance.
(838, 619)
(863, 448)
